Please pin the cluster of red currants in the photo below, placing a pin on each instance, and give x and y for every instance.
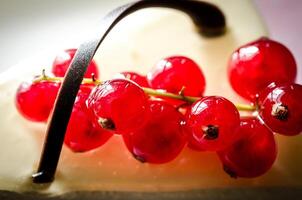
(158, 114)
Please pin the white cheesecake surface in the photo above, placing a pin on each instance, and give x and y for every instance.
(137, 44)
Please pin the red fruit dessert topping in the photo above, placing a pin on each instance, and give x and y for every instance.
(281, 109)
(83, 132)
(63, 60)
(212, 123)
(161, 138)
(118, 104)
(255, 65)
(253, 153)
(35, 101)
(175, 74)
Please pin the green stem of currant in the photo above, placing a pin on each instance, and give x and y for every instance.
(189, 99)
(43, 77)
(149, 91)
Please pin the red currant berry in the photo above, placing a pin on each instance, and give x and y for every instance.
(176, 73)
(281, 109)
(161, 138)
(63, 60)
(119, 104)
(212, 123)
(255, 65)
(263, 93)
(83, 133)
(135, 77)
(253, 153)
(36, 100)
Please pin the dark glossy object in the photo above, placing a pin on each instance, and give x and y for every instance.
(207, 17)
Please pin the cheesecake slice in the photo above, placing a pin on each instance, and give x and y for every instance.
(136, 44)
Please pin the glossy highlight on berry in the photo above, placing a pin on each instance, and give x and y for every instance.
(255, 65)
(35, 101)
(83, 132)
(63, 60)
(135, 77)
(212, 123)
(161, 138)
(119, 101)
(178, 73)
(281, 109)
(253, 153)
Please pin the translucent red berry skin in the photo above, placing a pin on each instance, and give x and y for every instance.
(210, 115)
(253, 154)
(174, 73)
(263, 93)
(135, 77)
(161, 138)
(63, 60)
(83, 132)
(255, 65)
(289, 96)
(120, 101)
(36, 100)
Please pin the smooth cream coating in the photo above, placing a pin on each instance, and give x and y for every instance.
(137, 44)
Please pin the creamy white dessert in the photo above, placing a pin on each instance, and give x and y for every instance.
(136, 44)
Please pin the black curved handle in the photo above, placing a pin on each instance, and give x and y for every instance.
(207, 17)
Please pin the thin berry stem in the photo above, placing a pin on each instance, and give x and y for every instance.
(245, 107)
(162, 93)
(44, 77)
(189, 99)
(149, 91)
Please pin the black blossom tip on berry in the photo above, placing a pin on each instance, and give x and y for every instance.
(211, 132)
(230, 172)
(106, 123)
(139, 158)
(280, 111)
(93, 77)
